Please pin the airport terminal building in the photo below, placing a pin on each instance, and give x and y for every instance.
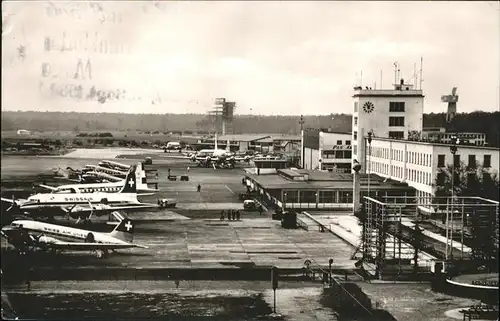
(400, 149)
(265, 143)
(315, 190)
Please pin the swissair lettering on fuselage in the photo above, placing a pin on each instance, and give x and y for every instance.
(66, 199)
(75, 199)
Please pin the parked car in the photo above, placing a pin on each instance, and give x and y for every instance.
(249, 205)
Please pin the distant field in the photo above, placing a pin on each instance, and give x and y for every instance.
(116, 135)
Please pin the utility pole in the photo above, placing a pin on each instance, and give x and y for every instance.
(369, 159)
(301, 122)
(302, 156)
(453, 149)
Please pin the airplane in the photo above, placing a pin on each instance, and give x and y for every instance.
(99, 169)
(79, 176)
(98, 177)
(114, 165)
(81, 205)
(26, 235)
(217, 157)
(115, 187)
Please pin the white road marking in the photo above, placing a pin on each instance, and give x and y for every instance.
(229, 189)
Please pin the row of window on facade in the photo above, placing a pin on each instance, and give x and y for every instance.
(340, 154)
(392, 134)
(394, 106)
(398, 155)
(293, 196)
(413, 175)
(471, 161)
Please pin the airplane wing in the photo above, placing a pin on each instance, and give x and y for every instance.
(48, 187)
(104, 209)
(8, 200)
(82, 246)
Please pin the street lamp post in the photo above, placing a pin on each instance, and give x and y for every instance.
(453, 149)
(369, 159)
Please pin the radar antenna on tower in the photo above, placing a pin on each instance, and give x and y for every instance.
(452, 106)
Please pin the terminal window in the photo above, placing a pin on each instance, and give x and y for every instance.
(441, 159)
(487, 161)
(396, 135)
(396, 106)
(396, 121)
(472, 161)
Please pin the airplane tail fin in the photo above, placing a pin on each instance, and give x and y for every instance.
(130, 183)
(141, 179)
(124, 231)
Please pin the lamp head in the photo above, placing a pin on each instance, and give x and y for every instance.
(356, 166)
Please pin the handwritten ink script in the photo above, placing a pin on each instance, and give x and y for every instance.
(83, 70)
(84, 42)
(83, 11)
(82, 92)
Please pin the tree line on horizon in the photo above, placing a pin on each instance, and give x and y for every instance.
(483, 122)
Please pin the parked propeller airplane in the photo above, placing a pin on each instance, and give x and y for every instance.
(217, 157)
(26, 235)
(81, 205)
(109, 171)
(114, 165)
(115, 187)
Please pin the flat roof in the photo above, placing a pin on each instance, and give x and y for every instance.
(388, 93)
(329, 181)
(256, 137)
(434, 144)
(241, 137)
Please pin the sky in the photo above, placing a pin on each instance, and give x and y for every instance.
(278, 58)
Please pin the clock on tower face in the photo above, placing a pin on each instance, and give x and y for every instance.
(368, 107)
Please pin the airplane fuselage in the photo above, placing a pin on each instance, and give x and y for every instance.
(109, 171)
(54, 233)
(114, 165)
(47, 200)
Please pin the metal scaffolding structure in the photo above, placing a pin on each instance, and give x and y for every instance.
(222, 115)
(393, 230)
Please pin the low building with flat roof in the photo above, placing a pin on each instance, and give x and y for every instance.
(266, 143)
(315, 190)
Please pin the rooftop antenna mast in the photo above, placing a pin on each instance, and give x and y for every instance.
(415, 75)
(395, 72)
(421, 71)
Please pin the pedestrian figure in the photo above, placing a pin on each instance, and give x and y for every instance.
(237, 215)
(177, 282)
(260, 209)
(199, 188)
(222, 215)
(233, 215)
(28, 279)
(169, 172)
(243, 181)
(188, 169)
(228, 215)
